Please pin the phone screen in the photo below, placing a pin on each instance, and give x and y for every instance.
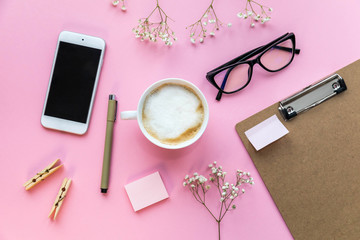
(72, 82)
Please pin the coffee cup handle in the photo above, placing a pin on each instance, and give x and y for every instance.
(128, 115)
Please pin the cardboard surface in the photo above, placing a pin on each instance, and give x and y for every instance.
(312, 173)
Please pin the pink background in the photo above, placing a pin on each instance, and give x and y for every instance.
(326, 32)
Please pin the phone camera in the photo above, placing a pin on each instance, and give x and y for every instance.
(82, 39)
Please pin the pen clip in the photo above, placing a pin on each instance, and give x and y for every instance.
(116, 107)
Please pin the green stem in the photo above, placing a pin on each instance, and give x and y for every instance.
(227, 209)
(219, 229)
(152, 12)
(210, 212)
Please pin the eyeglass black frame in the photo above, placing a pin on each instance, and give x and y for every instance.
(242, 60)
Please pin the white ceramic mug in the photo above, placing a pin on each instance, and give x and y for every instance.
(128, 115)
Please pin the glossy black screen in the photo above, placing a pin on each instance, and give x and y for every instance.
(72, 82)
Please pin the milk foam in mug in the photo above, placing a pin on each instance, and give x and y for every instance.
(172, 113)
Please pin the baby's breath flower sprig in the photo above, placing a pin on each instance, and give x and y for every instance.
(199, 186)
(152, 31)
(256, 12)
(116, 2)
(207, 22)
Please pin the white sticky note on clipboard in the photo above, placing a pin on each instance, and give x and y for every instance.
(266, 132)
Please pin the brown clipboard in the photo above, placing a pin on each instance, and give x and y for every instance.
(313, 172)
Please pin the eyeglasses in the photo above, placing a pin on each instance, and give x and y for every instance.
(236, 74)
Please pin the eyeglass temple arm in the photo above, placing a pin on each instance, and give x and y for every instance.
(255, 52)
(248, 54)
(297, 51)
(219, 95)
(238, 59)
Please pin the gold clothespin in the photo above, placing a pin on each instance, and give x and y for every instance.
(39, 177)
(60, 197)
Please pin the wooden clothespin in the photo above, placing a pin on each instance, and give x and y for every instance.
(39, 177)
(60, 197)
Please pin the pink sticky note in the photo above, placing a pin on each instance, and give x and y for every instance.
(266, 132)
(146, 191)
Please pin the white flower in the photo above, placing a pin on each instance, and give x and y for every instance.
(270, 9)
(210, 165)
(202, 179)
(115, 3)
(223, 193)
(250, 13)
(252, 25)
(205, 23)
(231, 197)
(212, 34)
(123, 8)
(192, 185)
(229, 24)
(243, 190)
(221, 199)
(184, 183)
(192, 40)
(240, 15)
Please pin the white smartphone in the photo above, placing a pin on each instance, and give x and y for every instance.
(73, 81)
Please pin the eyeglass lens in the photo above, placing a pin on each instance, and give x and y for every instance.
(278, 56)
(234, 78)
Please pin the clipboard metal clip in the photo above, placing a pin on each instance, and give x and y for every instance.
(312, 96)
